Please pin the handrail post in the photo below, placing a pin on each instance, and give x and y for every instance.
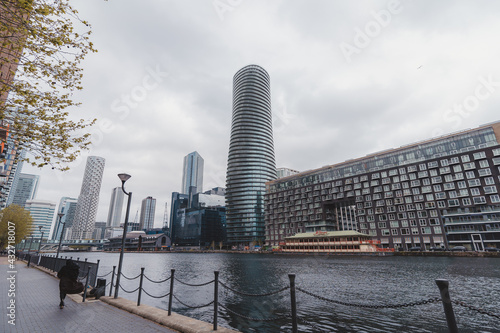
(172, 271)
(86, 284)
(140, 287)
(112, 278)
(294, 303)
(216, 298)
(448, 308)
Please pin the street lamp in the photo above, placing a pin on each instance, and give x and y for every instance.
(41, 238)
(60, 238)
(31, 240)
(123, 177)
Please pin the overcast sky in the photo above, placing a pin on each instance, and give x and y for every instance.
(348, 78)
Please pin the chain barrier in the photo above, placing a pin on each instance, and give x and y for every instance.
(252, 295)
(129, 292)
(193, 285)
(100, 276)
(479, 310)
(153, 295)
(358, 305)
(193, 307)
(254, 319)
(156, 281)
(130, 278)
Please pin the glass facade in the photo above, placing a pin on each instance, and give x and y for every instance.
(442, 192)
(251, 155)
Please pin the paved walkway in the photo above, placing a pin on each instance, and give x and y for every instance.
(37, 307)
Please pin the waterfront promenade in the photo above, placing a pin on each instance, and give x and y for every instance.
(36, 309)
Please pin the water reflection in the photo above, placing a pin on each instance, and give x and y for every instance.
(366, 280)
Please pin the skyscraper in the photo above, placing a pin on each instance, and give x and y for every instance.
(251, 155)
(43, 215)
(192, 173)
(147, 219)
(88, 200)
(115, 208)
(25, 189)
(67, 206)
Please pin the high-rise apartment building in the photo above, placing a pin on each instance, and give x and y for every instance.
(115, 208)
(25, 189)
(88, 200)
(67, 206)
(42, 213)
(251, 155)
(192, 174)
(147, 219)
(441, 192)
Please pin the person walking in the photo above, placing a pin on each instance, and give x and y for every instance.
(68, 283)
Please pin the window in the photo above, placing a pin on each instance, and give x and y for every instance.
(437, 230)
(372, 225)
(437, 188)
(462, 184)
(457, 168)
(496, 152)
(495, 198)
(423, 174)
(453, 203)
(385, 232)
(405, 231)
(490, 189)
(470, 174)
(433, 164)
(454, 160)
(479, 200)
(465, 158)
(375, 176)
(433, 172)
(463, 193)
(444, 170)
(422, 213)
(489, 181)
(474, 182)
(466, 202)
(394, 232)
(484, 172)
(452, 194)
(404, 223)
(426, 230)
(414, 231)
(429, 197)
(437, 180)
(444, 162)
(433, 213)
(401, 216)
(479, 155)
(449, 186)
(483, 164)
(496, 160)
(433, 221)
(441, 195)
(469, 166)
(382, 225)
(441, 204)
(411, 215)
(363, 226)
(394, 224)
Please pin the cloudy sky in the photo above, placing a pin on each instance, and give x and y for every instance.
(348, 78)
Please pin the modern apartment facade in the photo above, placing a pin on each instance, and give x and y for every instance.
(441, 192)
(67, 206)
(88, 200)
(251, 161)
(42, 213)
(115, 208)
(26, 188)
(147, 217)
(192, 172)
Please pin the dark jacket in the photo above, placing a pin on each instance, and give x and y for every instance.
(70, 271)
(69, 275)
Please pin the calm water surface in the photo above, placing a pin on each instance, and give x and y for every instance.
(353, 279)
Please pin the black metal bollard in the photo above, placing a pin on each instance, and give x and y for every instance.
(111, 284)
(172, 271)
(294, 302)
(216, 298)
(86, 284)
(448, 308)
(140, 287)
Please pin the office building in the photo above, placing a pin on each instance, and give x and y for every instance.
(441, 192)
(42, 213)
(26, 188)
(67, 206)
(192, 174)
(251, 156)
(285, 172)
(115, 208)
(147, 219)
(179, 201)
(99, 230)
(88, 200)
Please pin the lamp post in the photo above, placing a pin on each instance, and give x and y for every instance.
(123, 177)
(41, 238)
(31, 240)
(60, 238)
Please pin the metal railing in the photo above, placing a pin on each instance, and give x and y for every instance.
(291, 313)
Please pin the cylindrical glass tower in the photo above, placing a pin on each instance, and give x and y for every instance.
(251, 156)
